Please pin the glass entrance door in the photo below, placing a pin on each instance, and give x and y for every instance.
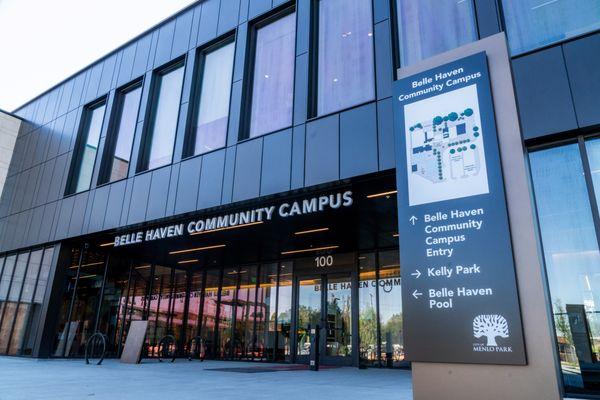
(338, 319)
(325, 302)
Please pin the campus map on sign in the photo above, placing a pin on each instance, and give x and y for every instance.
(445, 152)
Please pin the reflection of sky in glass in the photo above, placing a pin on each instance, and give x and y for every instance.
(421, 36)
(273, 81)
(567, 229)
(86, 168)
(165, 119)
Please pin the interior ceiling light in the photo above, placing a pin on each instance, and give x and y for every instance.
(228, 227)
(396, 235)
(107, 244)
(309, 250)
(216, 246)
(382, 194)
(87, 265)
(143, 267)
(188, 261)
(311, 231)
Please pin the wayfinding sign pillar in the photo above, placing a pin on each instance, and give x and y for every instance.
(465, 240)
(456, 250)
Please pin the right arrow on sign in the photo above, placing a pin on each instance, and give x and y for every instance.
(416, 274)
(416, 294)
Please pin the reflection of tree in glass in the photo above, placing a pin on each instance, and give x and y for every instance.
(308, 317)
(562, 322)
(368, 333)
(394, 325)
(338, 312)
(391, 337)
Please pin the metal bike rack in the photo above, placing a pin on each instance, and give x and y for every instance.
(167, 348)
(96, 341)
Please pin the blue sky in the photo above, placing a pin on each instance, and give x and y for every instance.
(44, 41)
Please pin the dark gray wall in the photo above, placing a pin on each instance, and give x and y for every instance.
(558, 88)
(553, 88)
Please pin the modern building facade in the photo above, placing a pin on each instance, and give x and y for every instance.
(229, 174)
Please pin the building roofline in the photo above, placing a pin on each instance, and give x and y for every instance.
(11, 114)
(109, 54)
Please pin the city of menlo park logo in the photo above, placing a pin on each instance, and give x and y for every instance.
(489, 327)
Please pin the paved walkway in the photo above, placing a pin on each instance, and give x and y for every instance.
(30, 379)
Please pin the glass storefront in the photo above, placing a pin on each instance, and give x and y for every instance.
(256, 312)
(23, 283)
(565, 181)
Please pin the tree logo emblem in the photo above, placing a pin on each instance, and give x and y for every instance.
(490, 326)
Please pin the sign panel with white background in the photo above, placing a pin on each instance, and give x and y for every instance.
(459, 293)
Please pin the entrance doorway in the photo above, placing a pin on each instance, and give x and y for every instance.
(326, 302)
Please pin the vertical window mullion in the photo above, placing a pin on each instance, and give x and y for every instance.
(590, 186)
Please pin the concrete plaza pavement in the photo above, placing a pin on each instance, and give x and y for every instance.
(22, 378)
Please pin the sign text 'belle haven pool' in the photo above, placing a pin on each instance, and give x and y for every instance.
(238, 219)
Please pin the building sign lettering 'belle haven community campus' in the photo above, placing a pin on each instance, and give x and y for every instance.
(238, 219)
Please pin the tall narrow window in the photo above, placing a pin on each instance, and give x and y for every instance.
(129, 105)
(572, 258)
(430, 27)
(161, 136)
(273, 80)
(88, 148)
(210, 130)
(346, 74)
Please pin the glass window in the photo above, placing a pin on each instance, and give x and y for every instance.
(25, 308)
(367, 309)
(209, 311)
(42, 282)
(194, 305)
(210, 130)
(33, 319)
(226, 309)
(266, 298)
(430, 27)
(245, 313)
(165, 116)
(284, 312)
(123, 141)
(390, 308)
(273, 80)
(531, 24)
(345, 55)
(158, 311)
(7, 273)
(593, 153)
(89, 147)
(113, 302)
(11, 306)
(309, 312)
(572, 259)
(87, 298)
